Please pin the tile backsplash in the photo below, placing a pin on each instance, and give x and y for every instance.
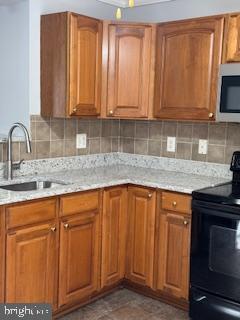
(57, 138)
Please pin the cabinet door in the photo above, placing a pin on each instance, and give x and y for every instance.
(114, 235)
(232, 39)
(140, 241)
(187, 63)
(172, 254)
(31, 265)
(128, 70)
(85, 66)
(79, 257)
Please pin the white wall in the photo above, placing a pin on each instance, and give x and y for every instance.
(14, 65)
(181, 9)
(38, 7)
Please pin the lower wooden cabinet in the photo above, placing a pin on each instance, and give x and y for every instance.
(114, 235)
(79, 257)
(141, 233)
(172, 253)
(31, 265)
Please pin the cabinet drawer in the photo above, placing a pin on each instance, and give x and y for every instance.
(81, 202)
(176, 202)
(30, 213)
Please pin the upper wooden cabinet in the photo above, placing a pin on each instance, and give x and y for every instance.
(187, 63)
(128, 50)
(141, 234)
(71, 61)
(232, 39)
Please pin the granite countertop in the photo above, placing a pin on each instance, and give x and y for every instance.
(99, 177)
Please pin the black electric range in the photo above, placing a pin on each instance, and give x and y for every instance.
(215, 250)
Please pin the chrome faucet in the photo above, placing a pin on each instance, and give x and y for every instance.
(10, 165)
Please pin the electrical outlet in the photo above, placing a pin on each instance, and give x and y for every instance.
(202, 146)
(171, 144)
(81, 141)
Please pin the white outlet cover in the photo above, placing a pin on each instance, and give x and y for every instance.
(81, 141)
(171, 144)
(202, 146)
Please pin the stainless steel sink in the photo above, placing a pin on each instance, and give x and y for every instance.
(32, 185)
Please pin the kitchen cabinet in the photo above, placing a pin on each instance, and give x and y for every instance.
(71, 60)
(232, 39)
(187, 64)
(173, 245)
(2, 254)
(79, 268)
(114, 235)
(141, 233)
(127, 67)
(31, 265)
(32, 252)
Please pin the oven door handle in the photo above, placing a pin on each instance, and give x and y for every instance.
(200, 298)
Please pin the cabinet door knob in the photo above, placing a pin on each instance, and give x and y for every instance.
(149, 195)
(111, 112)
(66, 225)
(53, 229)
(74, 110)
(174, 203)
(211, 115)
(185, 222)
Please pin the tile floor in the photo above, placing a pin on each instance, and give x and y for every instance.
(127, 305)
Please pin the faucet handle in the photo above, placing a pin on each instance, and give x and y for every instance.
(17, 165)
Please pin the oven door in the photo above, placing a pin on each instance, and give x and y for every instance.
(215, 249)
(228, 102)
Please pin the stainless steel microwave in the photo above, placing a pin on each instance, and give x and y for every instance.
(228, 99)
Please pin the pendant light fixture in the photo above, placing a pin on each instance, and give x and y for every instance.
(131, 4)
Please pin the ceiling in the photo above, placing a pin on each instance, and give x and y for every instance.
(124, 3)
(8, 2)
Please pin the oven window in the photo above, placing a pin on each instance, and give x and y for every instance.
(224, 251)
(230, 94)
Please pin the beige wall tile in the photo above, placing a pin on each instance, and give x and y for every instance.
(233, 134)
(142, 130)
(169, 129)
(57, 129)
(217, 133)
(115, 144)
(165, 153)
(115, 128)
(184, 132)
(195, 155)
(70, 129)
(70, 148)
(57, 148)
(127, 129)
(141, 146)
(43, 131)
(216, 154)
(127, 145)
(106, 128)
(94, 146)
(106, 144)
(154, 148)
(184, 151)
(200, 131)
(94, 128)
(42, 149)
(155, 130)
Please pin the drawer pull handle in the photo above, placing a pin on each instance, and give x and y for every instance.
(174, 203)
(66, 226)
(185, 222)
(53, 229)
(149, 195)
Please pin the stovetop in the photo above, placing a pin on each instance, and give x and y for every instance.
(227, 193)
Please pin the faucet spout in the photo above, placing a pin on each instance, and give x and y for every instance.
(10, 163)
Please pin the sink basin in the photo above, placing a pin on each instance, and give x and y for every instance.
(32, 185)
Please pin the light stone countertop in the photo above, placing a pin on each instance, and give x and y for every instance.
(99, 177)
